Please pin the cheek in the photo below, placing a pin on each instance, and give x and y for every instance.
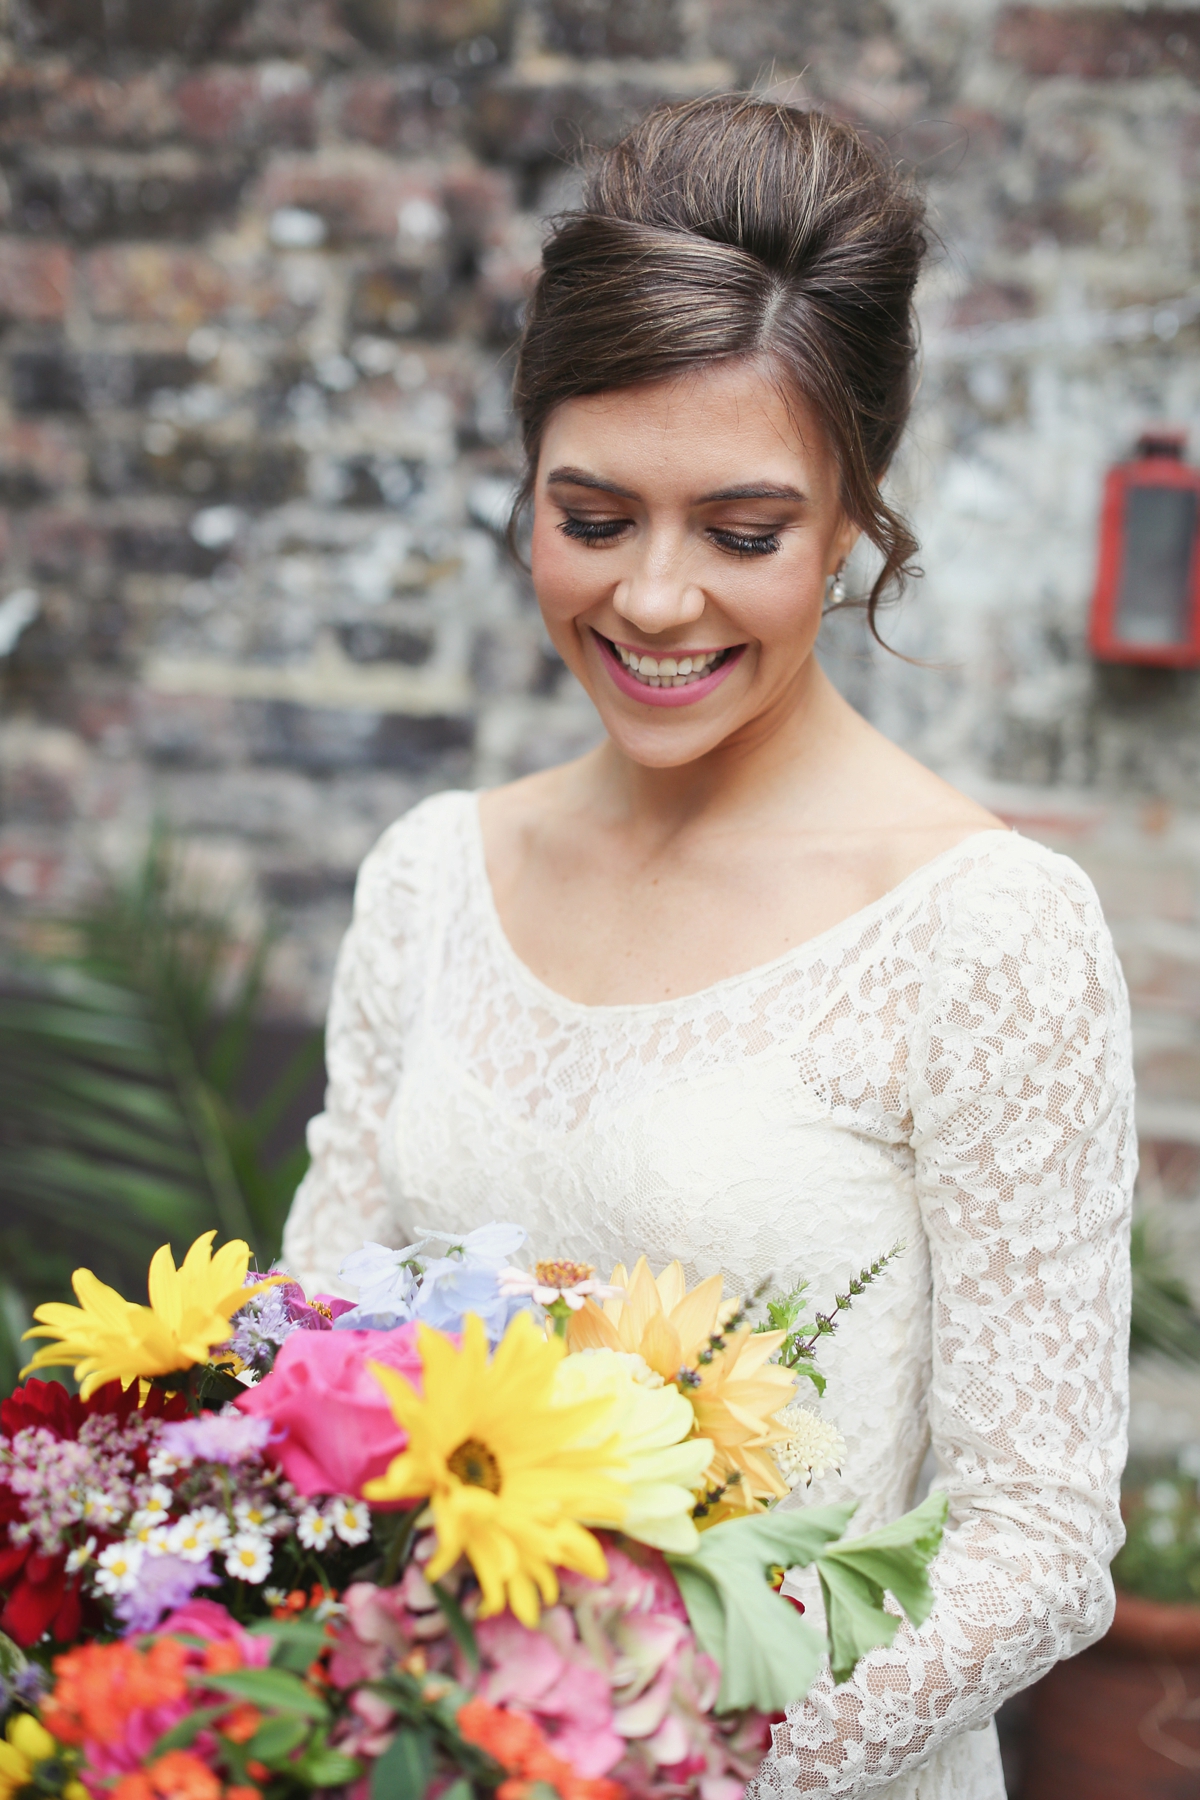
(560, 577)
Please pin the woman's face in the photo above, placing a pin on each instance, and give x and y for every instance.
(683, 532)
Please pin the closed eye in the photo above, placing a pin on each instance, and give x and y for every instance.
(746, 544)
(592, 531)
(606, 531)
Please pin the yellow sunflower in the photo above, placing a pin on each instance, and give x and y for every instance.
(509, 1471)
(25, 1745)
(735, 1395)
(107, 1338)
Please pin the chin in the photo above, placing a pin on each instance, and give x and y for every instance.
(671, 745)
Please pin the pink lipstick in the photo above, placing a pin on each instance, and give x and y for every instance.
(629, 684)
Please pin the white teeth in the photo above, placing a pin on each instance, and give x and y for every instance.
(668, 671)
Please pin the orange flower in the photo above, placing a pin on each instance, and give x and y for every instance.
(176, 1776)
(516, 1742)
(100, 1685)
(242, 1793)
(222, 1658)
(241, 1724)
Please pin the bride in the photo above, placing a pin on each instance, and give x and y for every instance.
(746, 985)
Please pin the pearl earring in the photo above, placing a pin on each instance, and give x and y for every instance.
(837, 592)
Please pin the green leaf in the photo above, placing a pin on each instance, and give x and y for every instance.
(13, 1661)
(855, 1574)
(328, 1768)
(274, 1690)
(768, 1655)
(296, 1642)
(403, 1771)
(186, 1730)
(458, 1790)
(276, 1737)
(460, 1626)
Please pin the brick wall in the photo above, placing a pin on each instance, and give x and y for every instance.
(261, 266)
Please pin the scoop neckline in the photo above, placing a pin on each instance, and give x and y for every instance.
(858, 918)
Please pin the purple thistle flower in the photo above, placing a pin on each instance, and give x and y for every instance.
(164, 1582)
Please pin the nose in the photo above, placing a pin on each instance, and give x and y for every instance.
(657, 596)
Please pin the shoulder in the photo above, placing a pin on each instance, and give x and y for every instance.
(1000, 889)
(1021, 958)
(404, 863)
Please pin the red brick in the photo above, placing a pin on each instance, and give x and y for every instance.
(37, 459)
(35, 281)
(1101, 43)
(992, 303)
(49, 103)
(155, 284)
(60, 544)
(396, 112)
(358, 198)
(276, 105)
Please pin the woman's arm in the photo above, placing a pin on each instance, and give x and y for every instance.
(1025, 1158)
(342, 1201)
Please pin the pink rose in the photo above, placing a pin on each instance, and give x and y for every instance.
(337, 1427)
(206, 1619)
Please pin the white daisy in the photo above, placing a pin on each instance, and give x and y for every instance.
(81, 1554)
(812, 1446)
(255, 1515)
(248, 1557)
(350, 1518)
(100, 1508)
(313, 1528)
(117, 1567)
(190, 1538)
(163, 1463)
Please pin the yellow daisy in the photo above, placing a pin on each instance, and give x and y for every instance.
(735, 1395)
(508, 1471)
(107, 1338)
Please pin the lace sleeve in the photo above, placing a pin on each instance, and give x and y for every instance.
(1021, 1100)
(342, 1200)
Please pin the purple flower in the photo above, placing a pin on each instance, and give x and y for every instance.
(224, 1437)
(164, 1582)
(315, 1315)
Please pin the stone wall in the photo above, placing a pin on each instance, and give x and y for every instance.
(261, 266)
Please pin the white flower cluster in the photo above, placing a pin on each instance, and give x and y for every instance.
(812, 1446)
(244, 1543)
(341, 1517)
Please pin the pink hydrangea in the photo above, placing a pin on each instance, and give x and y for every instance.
(334, 1426)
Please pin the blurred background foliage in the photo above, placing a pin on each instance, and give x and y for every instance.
(143, 1098)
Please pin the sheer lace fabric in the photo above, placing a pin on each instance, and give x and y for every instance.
(949, 1068)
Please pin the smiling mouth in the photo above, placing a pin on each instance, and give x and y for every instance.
(670, 671)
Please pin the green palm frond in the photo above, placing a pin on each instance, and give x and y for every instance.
(1164, 1317)
(121, 1119)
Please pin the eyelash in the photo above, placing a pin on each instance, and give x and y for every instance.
(604, 531)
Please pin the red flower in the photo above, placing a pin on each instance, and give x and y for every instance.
(40, 1595)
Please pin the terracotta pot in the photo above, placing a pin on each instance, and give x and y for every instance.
(1122, 1720)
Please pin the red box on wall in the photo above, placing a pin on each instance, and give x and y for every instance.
(1146, 606)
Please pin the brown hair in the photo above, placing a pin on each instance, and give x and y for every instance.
(733, 227)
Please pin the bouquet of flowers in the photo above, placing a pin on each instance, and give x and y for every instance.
(489, 1529)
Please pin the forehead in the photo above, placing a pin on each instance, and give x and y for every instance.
(719, 423)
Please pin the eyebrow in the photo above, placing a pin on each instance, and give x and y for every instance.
(758, 490)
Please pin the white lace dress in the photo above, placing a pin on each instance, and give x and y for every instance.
(949, 1067)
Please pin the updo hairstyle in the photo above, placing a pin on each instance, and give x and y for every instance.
(732, 227)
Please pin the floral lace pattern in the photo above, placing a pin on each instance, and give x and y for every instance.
(950, 1068)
